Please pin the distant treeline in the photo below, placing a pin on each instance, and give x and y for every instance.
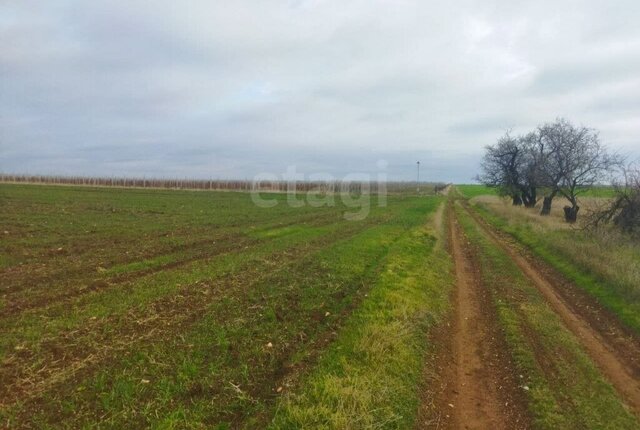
(228, 184)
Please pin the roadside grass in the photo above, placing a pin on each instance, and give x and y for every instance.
(192, 287)
(370, 376)
(565, 389)
(605, 264)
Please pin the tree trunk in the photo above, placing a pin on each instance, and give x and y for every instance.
(517, 200)
(571, 213)
(529, 197)
(529, 202)
(546, 205)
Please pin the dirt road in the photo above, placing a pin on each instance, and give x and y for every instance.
(610, 345)
(478, 388)
(477, 385)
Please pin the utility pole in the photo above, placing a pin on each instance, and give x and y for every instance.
(418, 180)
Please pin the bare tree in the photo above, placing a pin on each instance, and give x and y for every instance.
(552, 139)
(509, 166)
(571, 160)
(559, 157)
(624, 209)
(586, 162)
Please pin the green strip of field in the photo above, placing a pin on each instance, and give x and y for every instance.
(369, 378)
(473, 190)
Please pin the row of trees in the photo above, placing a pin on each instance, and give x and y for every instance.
(556, 159)
(330, 186)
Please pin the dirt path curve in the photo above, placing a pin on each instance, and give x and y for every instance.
(614, 352)
(479, 390)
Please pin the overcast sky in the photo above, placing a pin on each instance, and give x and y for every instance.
(236, 88)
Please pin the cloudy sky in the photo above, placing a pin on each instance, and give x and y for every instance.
(236, 88)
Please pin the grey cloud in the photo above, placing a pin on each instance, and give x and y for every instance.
(577, 77)
(482, 126)
(231, 89)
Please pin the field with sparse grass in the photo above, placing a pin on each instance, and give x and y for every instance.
(178, 309)
(131, 308)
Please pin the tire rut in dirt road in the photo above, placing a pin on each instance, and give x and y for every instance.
(615, 355)
(479, 390)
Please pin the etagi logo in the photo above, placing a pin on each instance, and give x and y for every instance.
(354, 190)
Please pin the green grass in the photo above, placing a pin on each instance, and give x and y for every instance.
(607, 269)
(153, 308)
(473, 190)
(370, 376)
(565, 389)
(600, 191)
